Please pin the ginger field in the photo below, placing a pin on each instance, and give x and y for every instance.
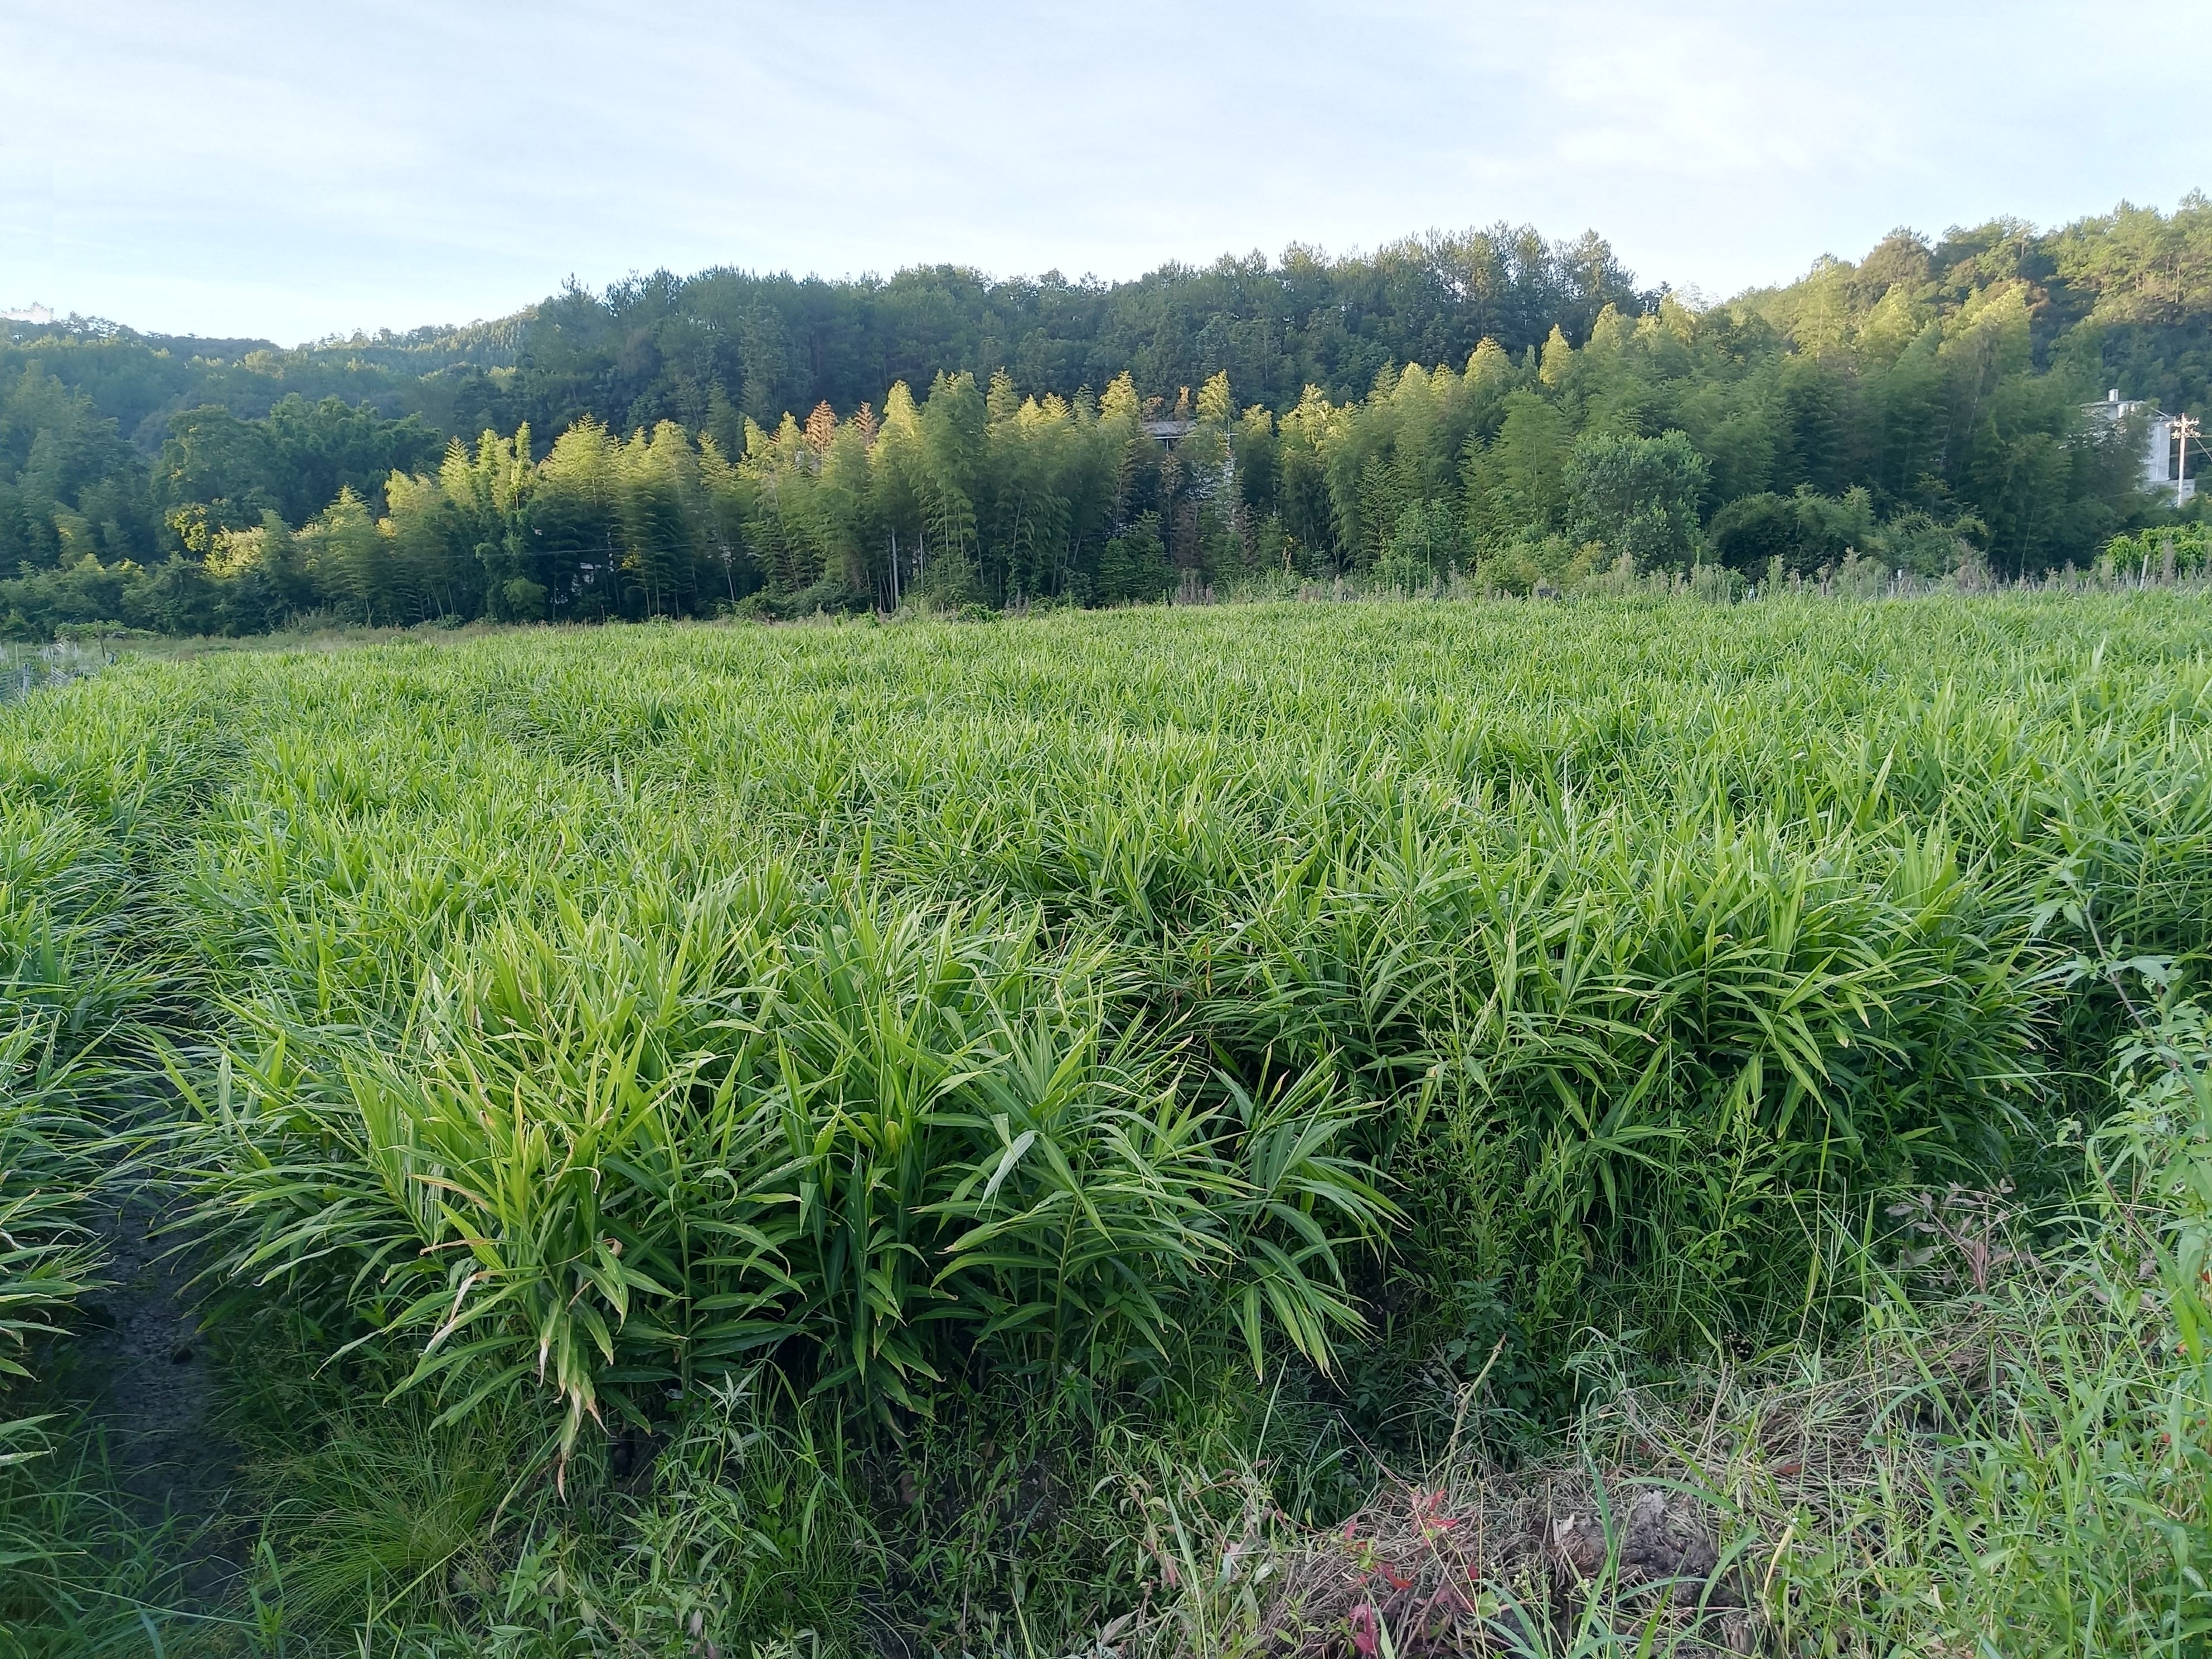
(1140, 1132)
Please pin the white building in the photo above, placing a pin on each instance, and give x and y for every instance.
(2164, 466)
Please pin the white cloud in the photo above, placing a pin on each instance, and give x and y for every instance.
(274, 168)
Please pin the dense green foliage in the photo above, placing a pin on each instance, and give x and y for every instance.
(1489, 403)
(849, 1054)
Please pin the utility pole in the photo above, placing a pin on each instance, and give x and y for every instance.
(2184, 427)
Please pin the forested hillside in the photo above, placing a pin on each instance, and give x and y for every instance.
(1494, 403)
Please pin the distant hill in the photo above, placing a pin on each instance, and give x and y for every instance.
(1942, 377)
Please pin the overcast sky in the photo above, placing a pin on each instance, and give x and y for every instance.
(296, 169)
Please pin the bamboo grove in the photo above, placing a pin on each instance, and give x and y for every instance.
(1927, 406)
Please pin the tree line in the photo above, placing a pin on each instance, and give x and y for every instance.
(1493, 404)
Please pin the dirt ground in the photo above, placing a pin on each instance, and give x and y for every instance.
(143, 1373)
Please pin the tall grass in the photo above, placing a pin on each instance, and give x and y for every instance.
(1373, 997)
(2007, 1456)
(74, 1562)
(1655, 927)
(598, 1155)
